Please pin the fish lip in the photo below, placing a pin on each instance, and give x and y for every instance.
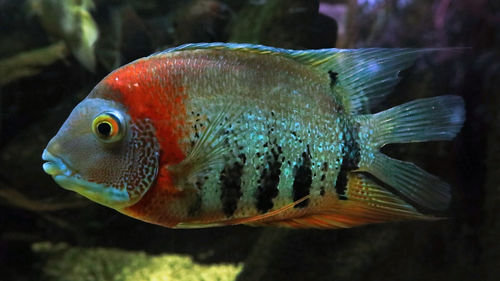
(54, 165)
(67, 179)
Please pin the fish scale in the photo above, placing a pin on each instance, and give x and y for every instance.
(294, 130)
(254, 166)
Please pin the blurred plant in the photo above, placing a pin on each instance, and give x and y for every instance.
(17, 199)
(127, 37)
(79, 264)
(71, 21)
(31, 62)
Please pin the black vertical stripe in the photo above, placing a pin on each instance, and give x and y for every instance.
(322, 191)
(333, 77)
(350, 161)
(302, 181)
(230, 178)
(195, 207)
(269, 180)
(341, 183)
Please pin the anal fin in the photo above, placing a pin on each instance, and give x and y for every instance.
(368, 203)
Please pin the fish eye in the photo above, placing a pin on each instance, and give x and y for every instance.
(108, 127)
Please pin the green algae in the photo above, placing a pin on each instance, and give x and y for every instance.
(65, 263)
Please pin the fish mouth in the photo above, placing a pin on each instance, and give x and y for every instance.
(67, 179)
(55, 166)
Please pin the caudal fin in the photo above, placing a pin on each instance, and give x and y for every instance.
(430, 119)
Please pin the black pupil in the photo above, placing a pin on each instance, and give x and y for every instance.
(104, 129)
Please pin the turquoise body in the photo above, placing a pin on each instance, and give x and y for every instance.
(292, 125)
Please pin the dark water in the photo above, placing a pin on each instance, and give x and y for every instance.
(47, 233)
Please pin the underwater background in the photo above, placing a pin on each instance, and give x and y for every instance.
(53, 52)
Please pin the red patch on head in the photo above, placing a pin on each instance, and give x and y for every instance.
(151, 88)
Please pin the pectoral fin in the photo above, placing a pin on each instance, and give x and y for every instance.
(208, 152)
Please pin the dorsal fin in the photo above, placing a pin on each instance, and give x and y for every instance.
(363, 77)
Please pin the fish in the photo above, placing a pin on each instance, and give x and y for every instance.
(217, 134)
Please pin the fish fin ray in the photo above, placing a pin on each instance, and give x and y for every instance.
(252, 48)
(245, 220)
(267, 215)
(411, 181)
(430, 119)
(208, 151)
(368, 203)
(364, 77)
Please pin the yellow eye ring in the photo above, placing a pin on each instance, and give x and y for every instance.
(108, 127)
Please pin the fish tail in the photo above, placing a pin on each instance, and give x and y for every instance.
(429, 119)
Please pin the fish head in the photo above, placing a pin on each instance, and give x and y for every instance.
(100, 153)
